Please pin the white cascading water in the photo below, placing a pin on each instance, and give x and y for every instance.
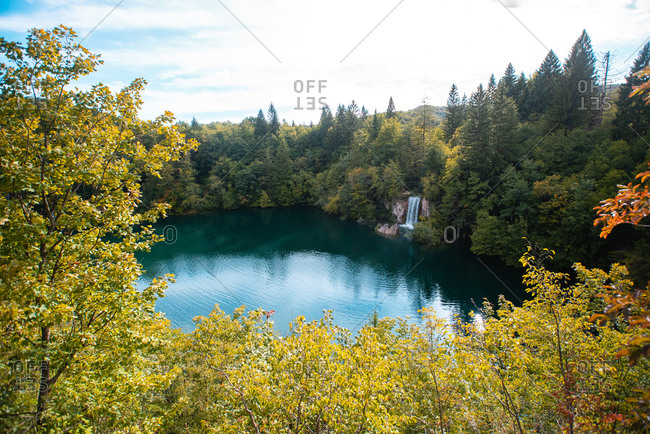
(412, 213)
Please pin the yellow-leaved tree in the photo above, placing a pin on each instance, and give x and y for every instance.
(539, 367)
(78, 341)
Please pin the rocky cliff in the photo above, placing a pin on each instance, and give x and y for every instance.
(399, 208)
(425, 208)
(388, 229)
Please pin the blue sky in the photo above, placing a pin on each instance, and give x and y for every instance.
(220, 60)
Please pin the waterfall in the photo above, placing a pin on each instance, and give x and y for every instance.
(413, 210)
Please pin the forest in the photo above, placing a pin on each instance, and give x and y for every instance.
(548, 172)
(521, 157)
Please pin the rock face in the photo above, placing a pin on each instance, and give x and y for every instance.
(399, 210)
(425, 210)
(388, 229)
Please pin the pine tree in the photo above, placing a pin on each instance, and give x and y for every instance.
(416, 149)
(352, 116)
(521, 94)
(544, 84)
(261, 127)
(463, 104)
(319, 141)
(353, 109)
(454, 117)
(476, 134)
(390, 111)
(274, 121)
(195, 124)
(375, 127)
(509, 80)
(492, 87)
(340, 113)
(633, 116)
(504, 123)
(340, 134)
(326, 120)
(579, 94)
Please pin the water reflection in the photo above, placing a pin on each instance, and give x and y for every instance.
(301, 261)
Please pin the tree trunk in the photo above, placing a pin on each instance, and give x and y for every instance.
(44, 389)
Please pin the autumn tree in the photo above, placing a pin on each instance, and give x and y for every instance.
(69, 187)
(644, 87)
(631, 205)
(538, 367)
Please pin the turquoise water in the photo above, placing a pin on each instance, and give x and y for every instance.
(301, 261)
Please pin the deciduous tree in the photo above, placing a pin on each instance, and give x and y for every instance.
(70, 164)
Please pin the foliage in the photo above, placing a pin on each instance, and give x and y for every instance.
(642, 88)
(531, 152)
(82, 178)
(631, 205)
(539, 367)
(69, 309)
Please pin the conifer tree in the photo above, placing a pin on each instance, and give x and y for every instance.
(579, 97)
(492, 87)
(521, 95)
(454, 116)
(503, 127)
(633, 116)
(352, 116)
(320, 133)
(261, 127)
(544, 84)
(339, 135)
(375, 127)
(509, 80)
(326, 119)
(274, 121)
(390, 111)
(476, 133)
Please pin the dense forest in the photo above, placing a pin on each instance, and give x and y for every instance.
(521, 157)
(82, 179)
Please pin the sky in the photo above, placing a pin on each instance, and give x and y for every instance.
(223, 60)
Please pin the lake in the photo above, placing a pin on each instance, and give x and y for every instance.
(299, 261)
